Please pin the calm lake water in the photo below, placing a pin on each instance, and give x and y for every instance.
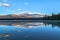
(41, 30)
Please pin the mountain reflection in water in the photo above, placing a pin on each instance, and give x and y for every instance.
(29, 24)
(42, 30)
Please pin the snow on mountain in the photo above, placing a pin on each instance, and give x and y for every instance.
(25, 15)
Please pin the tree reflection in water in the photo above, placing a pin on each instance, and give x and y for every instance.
(12, 30)
(30, 24)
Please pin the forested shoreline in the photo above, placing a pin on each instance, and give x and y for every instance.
(52, 17)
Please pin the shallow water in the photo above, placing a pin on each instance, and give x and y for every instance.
(29, 30)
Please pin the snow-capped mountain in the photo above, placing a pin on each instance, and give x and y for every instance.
(23, 15)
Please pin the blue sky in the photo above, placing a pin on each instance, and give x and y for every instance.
(39, 6)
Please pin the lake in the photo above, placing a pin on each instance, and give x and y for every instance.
(35, 30)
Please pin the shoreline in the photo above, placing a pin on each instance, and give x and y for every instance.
(29, 20)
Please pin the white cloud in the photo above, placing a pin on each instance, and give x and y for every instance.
(26, 3)
(6, 4)
(19, 9)
(32, 12)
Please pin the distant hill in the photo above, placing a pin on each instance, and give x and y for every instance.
(22, 15)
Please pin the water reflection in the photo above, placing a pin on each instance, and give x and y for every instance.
(42, 30)
(30, 24)
(4, 36)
